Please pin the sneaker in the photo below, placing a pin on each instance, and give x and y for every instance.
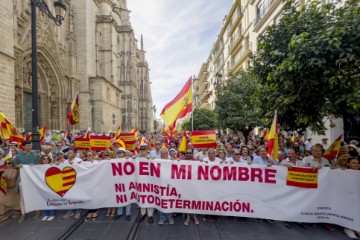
(259, 220)
(68, 215)
(329, 227)
(287, 224)
(77, 216)
(150, 220)
(117, 217)
(161, 221)
(270, 221)
(44, 218)
(350, 233)
(171, 221)
(3, 218)
(128, 218)
(50, 218)
(37, 214)
(22, 218)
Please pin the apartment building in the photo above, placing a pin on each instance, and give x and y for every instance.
(245, 22)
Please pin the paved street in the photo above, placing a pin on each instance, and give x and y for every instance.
(107, 229)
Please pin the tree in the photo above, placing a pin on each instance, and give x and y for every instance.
(236, 103)
(204, 119)
(309, 64)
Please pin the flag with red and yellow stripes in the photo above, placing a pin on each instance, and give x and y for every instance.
(73, 114)
(3, 185)
(333, 150)
(8, 131)
(272, 143)
(179, 107)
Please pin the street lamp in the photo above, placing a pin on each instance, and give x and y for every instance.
(154, 109)
(60, 11)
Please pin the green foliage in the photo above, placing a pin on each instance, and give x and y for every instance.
(236, 103)
(204, 119)
(309, 65)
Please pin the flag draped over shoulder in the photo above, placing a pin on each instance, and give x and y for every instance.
(3, 185)
(73, 114)
(272, 144)
(8, 131)
(179, 106)
(332, 151)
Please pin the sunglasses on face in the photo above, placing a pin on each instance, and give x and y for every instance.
(120, 152)
(188, 153)
(237, 154)
(142, 149)
(221, 152)
(89, 155)
(157, 143)
(8, 163)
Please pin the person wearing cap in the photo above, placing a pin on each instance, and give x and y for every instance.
(26, 157)
(150, 211)
(324, 143)
(352, 150)
(164, 154)
(121, 153)
(172, 153)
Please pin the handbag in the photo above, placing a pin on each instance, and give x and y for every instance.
(11, 182)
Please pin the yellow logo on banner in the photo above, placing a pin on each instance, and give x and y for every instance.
(60, 181)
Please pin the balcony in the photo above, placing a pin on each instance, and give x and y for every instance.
(263, 13)
(241, 55)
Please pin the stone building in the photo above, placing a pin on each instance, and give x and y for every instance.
(94, 52)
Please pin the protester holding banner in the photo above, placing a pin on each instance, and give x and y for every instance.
(316, 160)
(263, 157)
(164, 154)
(150, 211)
(121, 153)
(49, 215)
(212, 157)
(10, 200)
(26, 157)
(354, 164)
(201, 155)
(291, 160)
(72, 159)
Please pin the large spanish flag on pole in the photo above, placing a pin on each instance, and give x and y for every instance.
(73, 114)
(272, 144)
(179, 106)
(8, 131)
(333, 150)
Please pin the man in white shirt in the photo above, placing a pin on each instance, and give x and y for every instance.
(308, 144)
(316, 160)
(235, 157)
(291, 160)
(201, 155)
(211, 157)
(156, 152)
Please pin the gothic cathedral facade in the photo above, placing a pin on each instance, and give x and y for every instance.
(94, 52)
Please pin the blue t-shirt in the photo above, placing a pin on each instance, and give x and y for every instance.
(26, 159)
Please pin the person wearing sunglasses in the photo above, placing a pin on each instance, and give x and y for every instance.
(222, 154)
(156, 152)
(10, 201)
(150, 211)
(121, 153)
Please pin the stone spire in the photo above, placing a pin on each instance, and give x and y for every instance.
(142, 43)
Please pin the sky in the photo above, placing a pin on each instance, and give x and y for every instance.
(178, 37)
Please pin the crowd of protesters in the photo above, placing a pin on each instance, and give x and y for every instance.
(57, 149)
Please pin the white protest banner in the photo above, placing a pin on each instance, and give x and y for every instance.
(257, 191)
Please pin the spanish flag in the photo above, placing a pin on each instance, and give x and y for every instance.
(183, 144)
(332, 151)
(42, 132)
(272, 144)
(120, 143)
(117, 134)
(179, 106)
(135, 132)
(8, 131)
(3, 185)
(73, 114)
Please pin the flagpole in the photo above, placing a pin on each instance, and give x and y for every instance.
(192, 103)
